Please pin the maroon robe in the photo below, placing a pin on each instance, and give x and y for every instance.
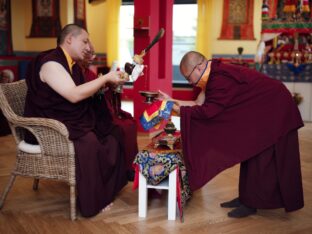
(4, 125)
(251, 119)
(100, 169)
(122, 119)
(128, 125)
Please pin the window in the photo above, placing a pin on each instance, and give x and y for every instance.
(126, 51)
(184, 23)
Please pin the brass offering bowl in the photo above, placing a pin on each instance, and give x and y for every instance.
(170, 128)
(149, 96)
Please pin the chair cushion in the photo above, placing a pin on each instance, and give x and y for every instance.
(29, 148)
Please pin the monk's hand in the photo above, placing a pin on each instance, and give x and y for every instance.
(138, 58)
(125, 76)
(117, 77)
(176, 109)
(163, 96)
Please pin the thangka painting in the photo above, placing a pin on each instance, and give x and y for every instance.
(46, 18)
(237, 22)
(5, 28)
(80, 13)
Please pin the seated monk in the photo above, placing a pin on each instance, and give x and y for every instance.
(57, 90)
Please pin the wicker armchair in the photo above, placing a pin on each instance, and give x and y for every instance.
(53, 158)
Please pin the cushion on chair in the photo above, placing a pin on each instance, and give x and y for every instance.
(29, 148)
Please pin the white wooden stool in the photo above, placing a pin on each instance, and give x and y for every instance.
(169, 184)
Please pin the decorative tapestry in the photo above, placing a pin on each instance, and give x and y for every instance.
(237, 23)
(46, 18)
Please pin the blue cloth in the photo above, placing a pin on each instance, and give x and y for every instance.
(155, 114)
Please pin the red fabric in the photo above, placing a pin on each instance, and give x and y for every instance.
(89, 75)
(244, 113)
(179, 194)
(154, 107)
(136, 176)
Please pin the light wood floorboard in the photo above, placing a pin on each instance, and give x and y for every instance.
(47, 210)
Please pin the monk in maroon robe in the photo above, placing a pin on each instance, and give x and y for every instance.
(241, 116)
(110, 103)
(57, 90)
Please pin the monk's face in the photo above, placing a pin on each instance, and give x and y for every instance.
(80, 45)
(193, 71)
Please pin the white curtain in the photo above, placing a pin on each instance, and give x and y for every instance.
(261, 46)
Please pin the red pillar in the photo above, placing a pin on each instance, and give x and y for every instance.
(149, 17)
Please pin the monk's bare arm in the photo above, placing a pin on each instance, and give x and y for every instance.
(178, 103)
(199, 100)
(60, 81)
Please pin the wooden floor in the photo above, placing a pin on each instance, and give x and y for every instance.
(47, 210)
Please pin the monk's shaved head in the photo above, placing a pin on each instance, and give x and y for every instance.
(67, 30)
(189, 61)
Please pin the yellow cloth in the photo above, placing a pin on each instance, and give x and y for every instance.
(204, 79)
(305, 8)
(204, 27)
(69, 59)
(112, 28)
(289, 8)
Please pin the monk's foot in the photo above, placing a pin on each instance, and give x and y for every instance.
(231, 204)
(108, 207)
(241, 212)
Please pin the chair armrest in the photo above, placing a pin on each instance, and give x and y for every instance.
(46, 122)
(52, 135)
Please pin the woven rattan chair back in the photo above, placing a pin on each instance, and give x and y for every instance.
(56, 157)
(12, 102)
(15, 94)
